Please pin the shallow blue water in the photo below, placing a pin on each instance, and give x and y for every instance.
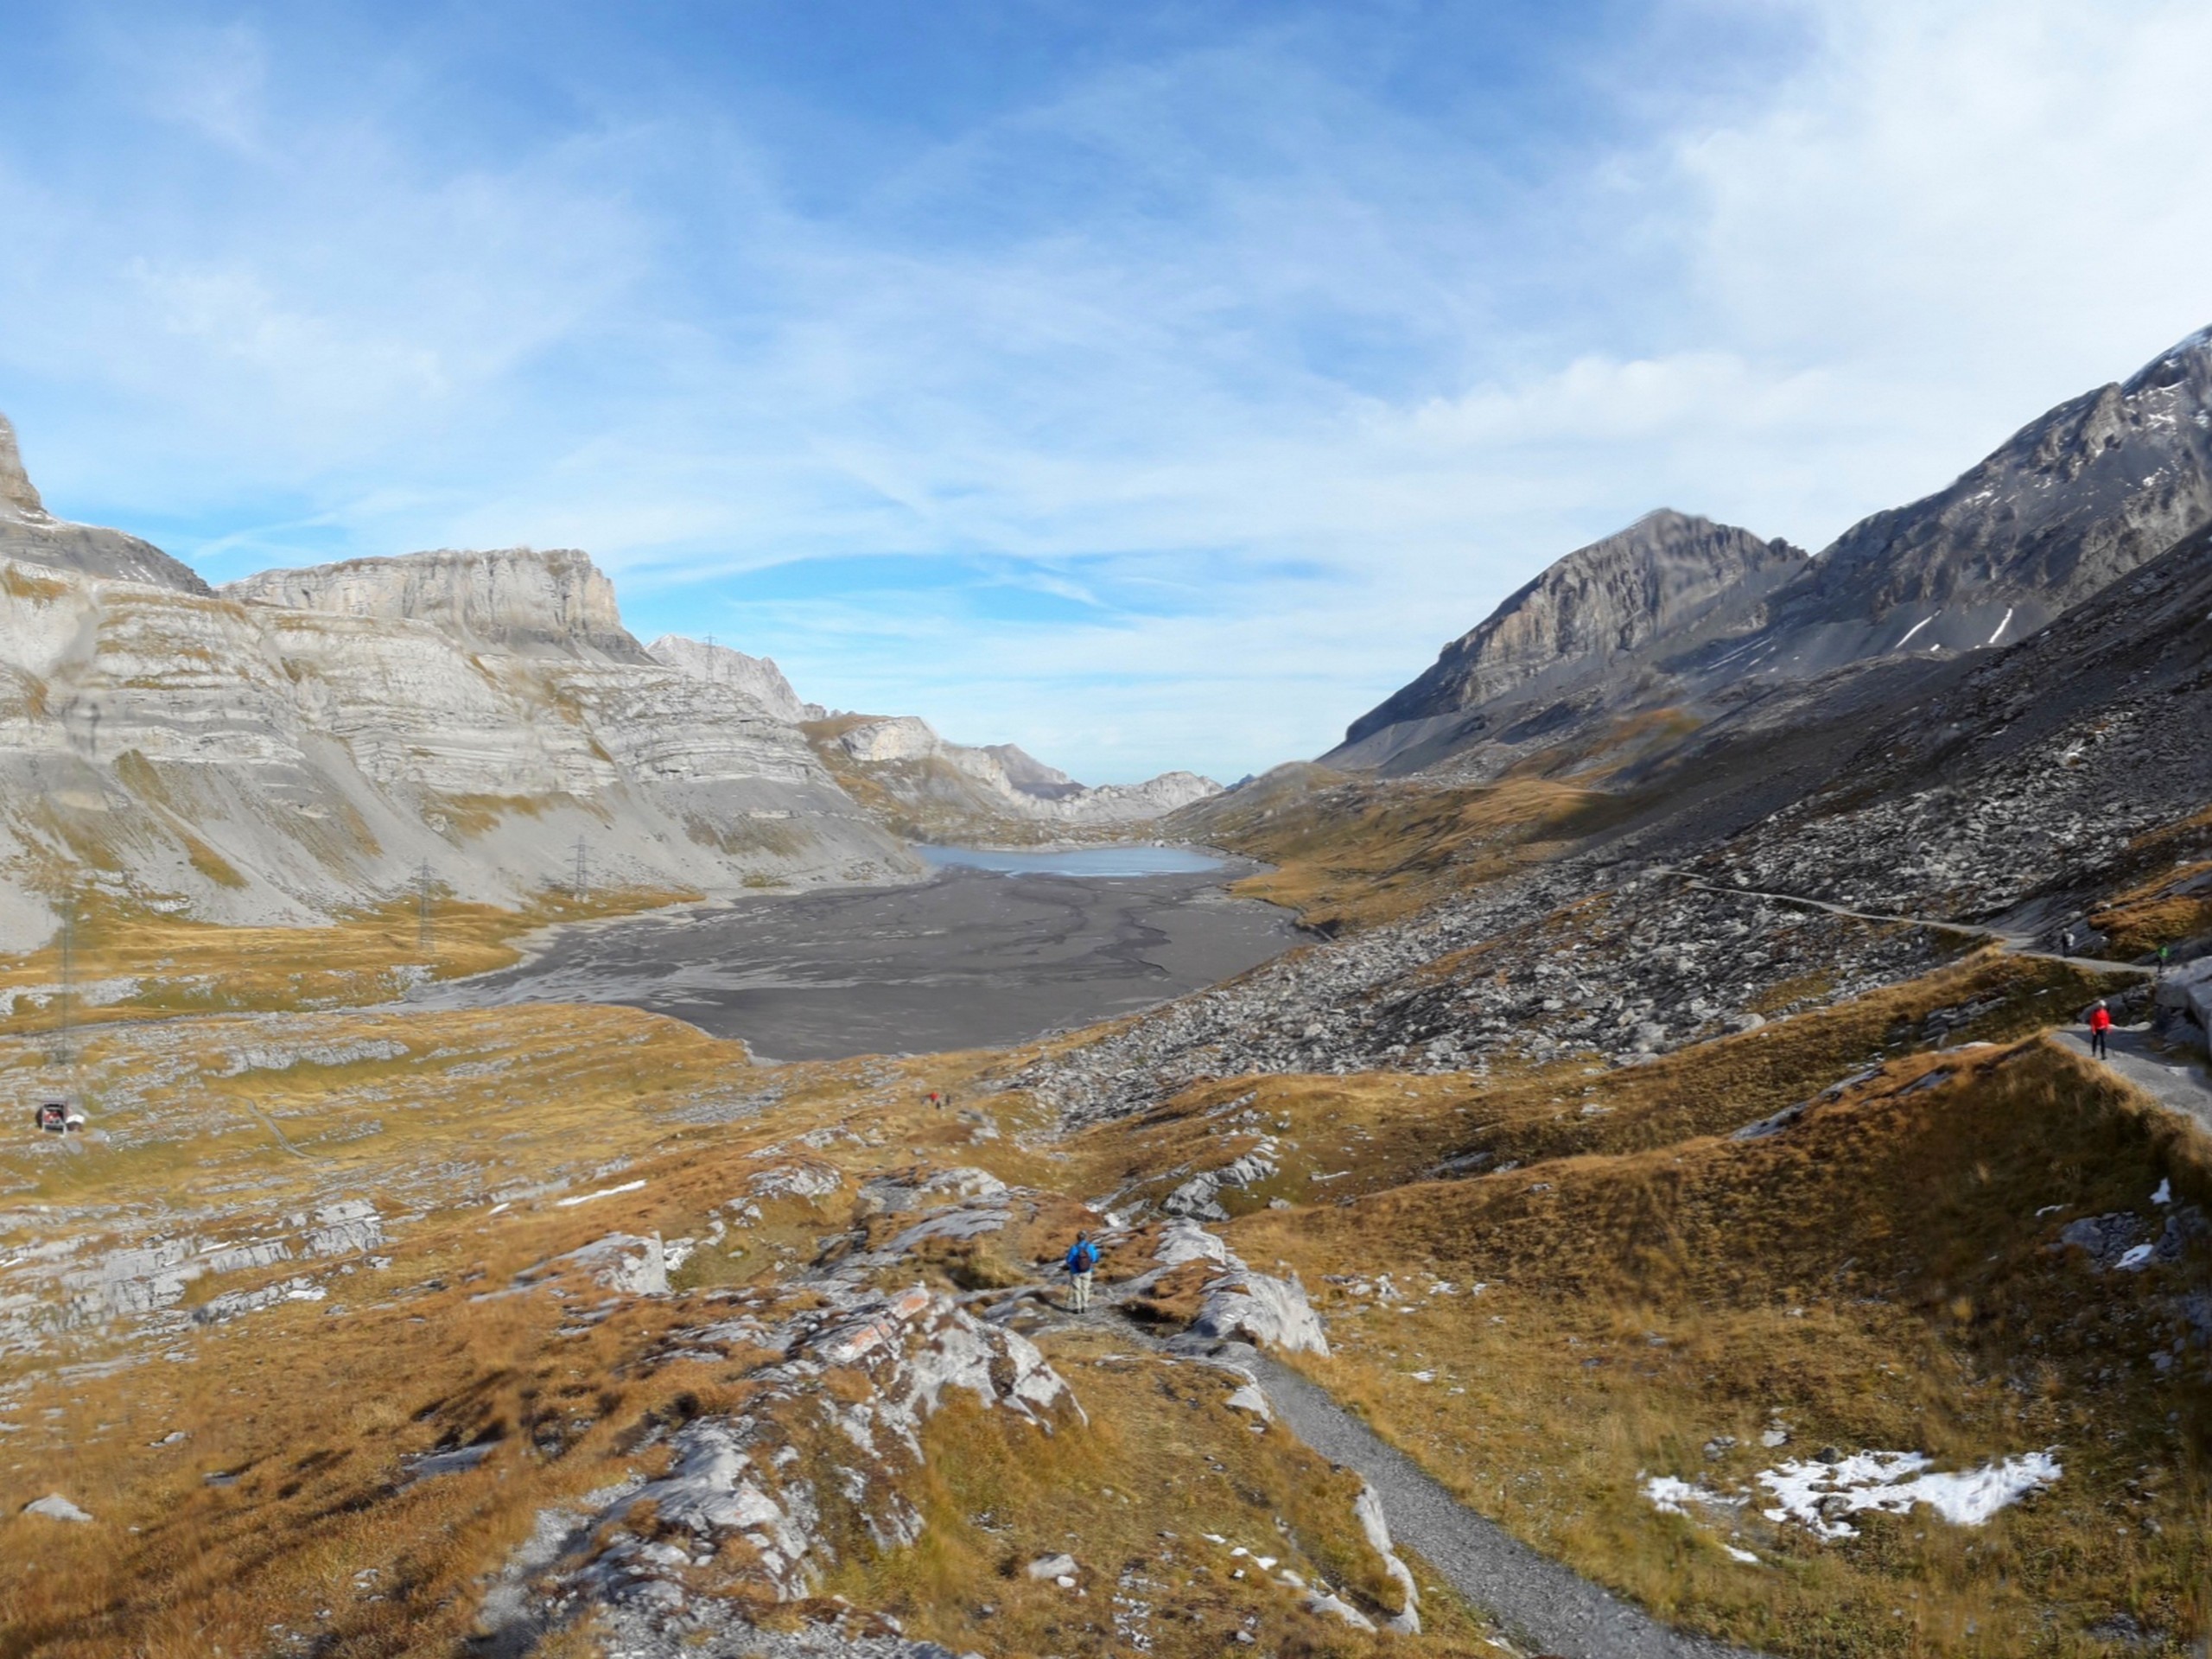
(1074, 860)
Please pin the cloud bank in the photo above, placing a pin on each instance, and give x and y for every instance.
(1154, 394)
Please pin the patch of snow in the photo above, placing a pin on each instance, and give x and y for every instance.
(1671, 1495)
(1819, 1495)
(1913, 629)
(603, 1193)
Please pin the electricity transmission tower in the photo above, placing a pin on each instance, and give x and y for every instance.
(422, 910)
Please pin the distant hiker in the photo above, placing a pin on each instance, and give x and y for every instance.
(2161, 976)
(935, 1104)
(2100, 1023)
(2066, 943)
(1081, 1262)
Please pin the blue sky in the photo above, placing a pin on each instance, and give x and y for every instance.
(1150, 385)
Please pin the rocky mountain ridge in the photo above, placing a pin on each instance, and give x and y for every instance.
(2070, 503)
(29, 532)
(758, 677)
(319, 741)
(939, 782)
(1662, 576)
(314, 740)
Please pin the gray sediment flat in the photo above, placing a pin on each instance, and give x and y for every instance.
(969, 959)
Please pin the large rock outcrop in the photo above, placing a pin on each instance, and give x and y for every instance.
(758, 677)
(29, 532)
(260, 762)
(526, 601)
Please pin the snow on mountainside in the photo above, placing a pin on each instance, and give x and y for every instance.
(2069, 502)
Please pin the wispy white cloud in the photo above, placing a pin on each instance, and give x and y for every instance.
(1264, 376)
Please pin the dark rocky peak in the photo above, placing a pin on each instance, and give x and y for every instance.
(29, 532)
(2069, 502)
(1614, 599)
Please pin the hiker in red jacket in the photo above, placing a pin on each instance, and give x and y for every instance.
(2100, 1023)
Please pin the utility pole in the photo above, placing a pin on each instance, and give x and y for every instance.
(583, 869)
(710, 660)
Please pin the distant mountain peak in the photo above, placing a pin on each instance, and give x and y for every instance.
(29, 532)
(17, 492)
(1614, 596)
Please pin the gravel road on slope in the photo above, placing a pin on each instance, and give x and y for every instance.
(1547, 1605)
(2175, 1084)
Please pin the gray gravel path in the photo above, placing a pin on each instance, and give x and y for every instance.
(1545, 1605)
(2015, 944)
(2178, 1084)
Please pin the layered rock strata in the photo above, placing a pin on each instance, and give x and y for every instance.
(528, 602)
(758, 677)
(255, 763)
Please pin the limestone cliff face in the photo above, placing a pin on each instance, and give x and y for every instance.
(29, 532)
(257, 762)
(527, 601)
(758, 677)
(1599, 603)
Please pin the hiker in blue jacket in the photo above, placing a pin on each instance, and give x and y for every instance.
(1081, 1262)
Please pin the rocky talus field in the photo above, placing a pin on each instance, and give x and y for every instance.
(1668, 1177)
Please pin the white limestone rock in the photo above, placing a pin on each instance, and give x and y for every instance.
(266, 763)
(758, 677)
(1272, 1312)
(55, 1507)
(625, 1262)
(906, 756)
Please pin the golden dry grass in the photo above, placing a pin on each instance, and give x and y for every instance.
(306, 1412)
(1875, 1278)
(1362, 853)
(1363, 1132)
(183, 966)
